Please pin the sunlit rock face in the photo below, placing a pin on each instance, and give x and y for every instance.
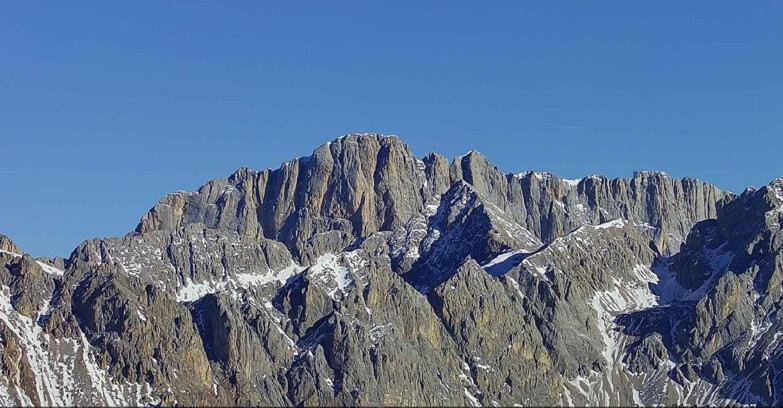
(363, 275)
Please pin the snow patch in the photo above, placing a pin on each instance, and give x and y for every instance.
(538, 270)
(46, 268)
(333, 272)
(501, 264)
(59, 367)
(572, 182)
(51, 269)
(191, 291)
(471, 399)
(14, 254)
(615, 223)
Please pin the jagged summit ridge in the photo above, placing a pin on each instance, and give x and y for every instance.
(363, 183)
(363, 275)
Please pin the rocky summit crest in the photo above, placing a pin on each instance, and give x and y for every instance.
(363, 275)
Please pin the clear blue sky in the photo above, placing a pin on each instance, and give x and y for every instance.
(107, 106)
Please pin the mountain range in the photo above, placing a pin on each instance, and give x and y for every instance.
(363, 275)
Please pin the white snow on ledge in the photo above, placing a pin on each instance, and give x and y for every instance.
(501, 264)
(572, 182)
(193, 291)
(616, 223)
(51, 269)
(333, 272)
(47, 268)
(14, 254)
(538, 175)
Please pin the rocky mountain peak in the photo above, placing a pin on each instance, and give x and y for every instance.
(753, 215)
(355, 185)
(9, 246)
(362, 275)
(775, 189)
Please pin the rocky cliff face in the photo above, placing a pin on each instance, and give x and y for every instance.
(349, 188)
(361, 275)
(550, 207)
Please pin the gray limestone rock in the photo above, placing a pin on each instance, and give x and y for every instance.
(357, 185)
(363, 276)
